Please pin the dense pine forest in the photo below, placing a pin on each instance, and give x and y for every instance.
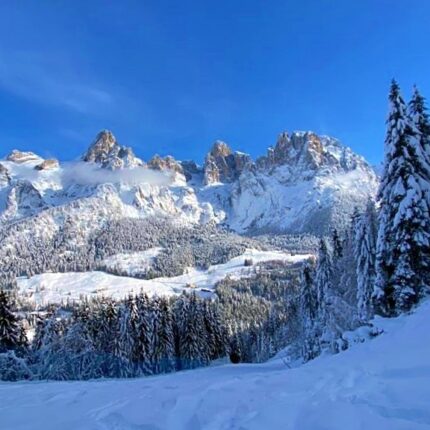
(378, 265)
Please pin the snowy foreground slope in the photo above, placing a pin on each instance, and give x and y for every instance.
(381, 384)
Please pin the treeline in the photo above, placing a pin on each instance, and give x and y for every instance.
(103, 338)
(23, 254)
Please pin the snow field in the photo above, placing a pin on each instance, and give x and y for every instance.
(57, 287)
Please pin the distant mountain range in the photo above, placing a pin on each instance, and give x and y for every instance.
(304, 184)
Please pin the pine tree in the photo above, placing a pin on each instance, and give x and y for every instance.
(418, 115)
(417, 112)
(404, 224)
(142, 344)
(365, 260)
(166, 360)
(328, 301)
(308, 313)
(10, 331)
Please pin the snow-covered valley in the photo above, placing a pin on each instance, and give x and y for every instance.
(381, 384)
(60, 287)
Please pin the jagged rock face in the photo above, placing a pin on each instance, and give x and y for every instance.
(305, 184)
(166, 163)
(22, 157)
(48, 164)
(23, 200)
(190, 168)
(4, 176)
(224, 165)
(106, 151)
(306, 154)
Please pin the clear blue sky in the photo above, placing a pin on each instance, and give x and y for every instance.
(173, 76)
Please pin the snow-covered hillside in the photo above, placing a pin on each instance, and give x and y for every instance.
(57, 287)
(381, 384)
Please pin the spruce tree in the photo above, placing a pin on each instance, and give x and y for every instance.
(404, 224)
(166, 349)
(329, 302)
(365, 260)
(10, 331)
(308, 313)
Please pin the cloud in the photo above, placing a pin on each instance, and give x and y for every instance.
(82, 173)
(37, 78)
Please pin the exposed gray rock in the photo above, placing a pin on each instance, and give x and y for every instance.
(166, 163)
(307, 154)
(22, 157)
(106, 151)
(190, 168)
(224, 165)
(49, 164)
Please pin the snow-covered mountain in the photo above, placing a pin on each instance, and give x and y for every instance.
(306, 183)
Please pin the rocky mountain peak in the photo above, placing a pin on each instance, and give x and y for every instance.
(224, 165)
(306, 154)
(106, 151)
(20, 157)
(220, 149)
(166, 163)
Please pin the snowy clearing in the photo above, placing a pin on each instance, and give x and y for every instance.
(134, 264)
(382, 384)
(56, 287)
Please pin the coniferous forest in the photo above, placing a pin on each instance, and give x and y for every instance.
(378, 265)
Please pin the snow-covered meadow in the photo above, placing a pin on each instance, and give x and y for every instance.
(57, 287)
(381, 384)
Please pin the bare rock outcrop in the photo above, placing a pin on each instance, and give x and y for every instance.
(48, 164)
(106, 151)
(224, 165)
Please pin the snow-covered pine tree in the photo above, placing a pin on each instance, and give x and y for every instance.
(308, 305)
(323, 278)
(365, 259)
(417, 112)
(142, 344)
(10, 331)
(404, 223)
(327, 300)
(193, 342)
(124, 344)
(418, 115)
(166, 361)
(337, 244)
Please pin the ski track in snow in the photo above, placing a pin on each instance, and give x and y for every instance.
(55, 287)
(382, 384)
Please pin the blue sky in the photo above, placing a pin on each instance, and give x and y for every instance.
(170, 77)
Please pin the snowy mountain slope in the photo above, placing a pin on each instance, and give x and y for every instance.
(306, 183)
(381, 384)
(57, 287)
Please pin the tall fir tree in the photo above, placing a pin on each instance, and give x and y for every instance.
(404, 225)
(365, 260)
(10, 331)
(308, 305)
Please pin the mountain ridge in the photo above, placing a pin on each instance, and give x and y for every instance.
(304, 184)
